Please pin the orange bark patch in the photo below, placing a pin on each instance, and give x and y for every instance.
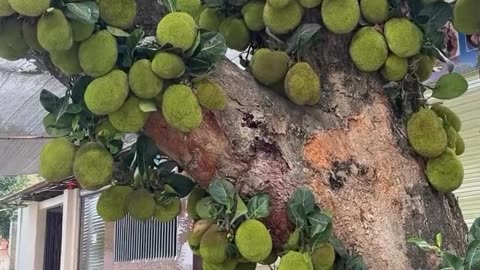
(324, 148)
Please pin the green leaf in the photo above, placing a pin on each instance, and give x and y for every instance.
(60, 127)
(222, 192)
(305, 198)
(194, 48)
(213, 3)
(318, 221)
(78, 90)
(237, 3)
(240, 209)
(212, 47)
(117, 31)
(134, 38)
(259, 206)
(183, 185)
(419, 242)
(198, 67)
(203, 207)
(232, 251)
(339, 247)
(439, 240)
(63, 106)
(114, 146)
(451, 260)
(472, 259)
(49, 101)
(296, 214)
(302, 37)
(170, 5)
(73, 108)
(474, 233)
(166, 168)
(438, 15)
(85, 12)
(146, 152)
(293, 240)
(320, 235)
(147, 105)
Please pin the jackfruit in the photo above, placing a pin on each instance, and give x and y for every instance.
(143, 82)
(452, 118)
(106, 129)
(180, 108)
(118, 13)
(293, 240)
(445, 173)
(252, 13)
(29, 32)
(177, 29)
(29, 7)
(323, 257)
(141, 204)
(424, 67)
(395, 68)
(168, 210)
(196, 195)
(450, 86)
(295, 261)
(451, 135)
(236, 33)
(375, 11)
(228, 264)
(271, 259)
(129, 118)
(459, 145)
(81, 31)
(193, 7)
(302, 84)
(403, 37)
(111, 205)
(210, 95)
(283, 20)
(278, 3)
(368, 49)
(93, 166)
(426, 134)
(253, 240)
(465, 16)
(5, 8)
(269, 67)
(98, 54)
(210, 19)
(168, 65)
(67, 61)
(12, 45)
(107, 94)
(202, 207)
(340, 17)
(199, 229)
(213, 246)
(56, 159)
(246, 266)
(54, 32)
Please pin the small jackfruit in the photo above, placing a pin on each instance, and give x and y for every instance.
(29, 32)
(283, 20)
(236, 33)
(210, 19)
(81, 31)
(426, 134)
(199, 229)
(143, 81)
(452, 135)
(253, 240)
(178, 29)
(459, 145)
(323, 257)
(93, 166)
(395, 68)
(192, 7)
(107, 94)
(278, 3)
(5, 8)
(56, 159)
(269, 67)
(445, 173)
(452, 118)
(180, 108)
(340, 17)
(168, 210)
(302, 84)
(368, 49)
(450, 86)
(111, 205)
(54, 32)
(118, 13)
(465, 16)
(29, 7)
(252, 13)
(12, 45)
(293, 240)
(195, 195)
(210, 95)
(202, 207)
(295, 261)
(106, 129)
(424, 67)
(246, 266)
(129, 118)
(213, 246)
(67, 61)
(141, 204)
(229, 264)
(375, 11)
(168, 65)
(98, 54)
(403, 37)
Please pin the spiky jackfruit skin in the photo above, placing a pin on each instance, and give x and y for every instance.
(213, 246)
(193, 7)
(395, 68)
(465, 16)
(229, 264)
(29, 7)
(459, 145)
(5, 8)
(196, 195)
(118, 13)
(253, 240)
(278, 3)
(445, 112)
(107, 94)
(56, 159)
(302, 84)
(93, 166)
(178, 29)
(168, 210)
(246, 266)
(403, 37)
(426, 134)
(375, 11)
(424, 68)
(143, 82)
(445, 173)
(29, 32)
(236, 33)
(323, 257)
(450, 86)
(340, 17)
(210, 19)
(140, 204)
(67, 61)
(252, 13)
(81, 31)
(199, 229)
(180, 108)
(283, 20)
(295, 261)
(129, 118)
(210, 95)
(368, 40)
(12, 45)
(98, 54)
(269, 67)
(106, 129)
(111, 205)
(310, 3)
(54, 32)
(168, 65)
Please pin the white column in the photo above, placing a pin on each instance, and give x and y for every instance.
(70, 229)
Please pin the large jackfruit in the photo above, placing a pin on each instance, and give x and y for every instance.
(210, 19)
(368, 49)
(143, 81)
(192, 7)
(283, 20)
(141, 204)
(236, 33)
(426, 134)
(54, 32)
(129, 118)
(252, 13)
(98, 54)
(56, 159)
(118, 13)
(30, 8)
(296, 261)
(302, 84)
(452, 118)
(253, 240)
(178, 29)
(168, 210)
(29, 32)
(269, 67)
(445, 173)
(67, 61)
(180, 108)
(323, 257)
(168, 65)
(93, 166)
(403, 37)
(81, 31)
(5, 8)
(111, 205)
(465, 16)
(107, 94)
(213, 246)
(340, 17)
(199, 229)
(195, 195)
(450, 86)
(12, 45)
(395, 68)
(424, 67)
(375, 11)
(210, 95)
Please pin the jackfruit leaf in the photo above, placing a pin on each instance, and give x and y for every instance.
(259, 206)
(237, 3)
(198, 67)
(451, 261)
(146, 152)
(302, 37)
(213, 3)
(240, 209)
(474, 233)
(321, 236)
(203, 207)
(339, 247)
(296, 214)
(395, 3)
(59, 128)
(318, 221)
(49, 101)
(222, 192)
(293, 240)
(416, 7)
(196, 43)
(439, 240)
(78, 89)
(73, 108)
(78, 135)
(165, 168)
(183, 185)
(134, 38)
(212, 47)
(437, 14)
(170, 5)
(354, 263)
(472, 259)
(422, 244)
(114, 146)
(147, 105)
(63, 105)
(117, 31)
(232, 251)
(434, 39)
(305, 198)
(85, 12)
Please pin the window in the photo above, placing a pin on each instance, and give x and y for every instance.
(92, 235)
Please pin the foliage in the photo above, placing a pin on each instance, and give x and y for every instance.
(9, 185)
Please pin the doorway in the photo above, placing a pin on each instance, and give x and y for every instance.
(53, 239)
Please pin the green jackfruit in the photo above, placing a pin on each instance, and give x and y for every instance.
(445, 173)
(246, 266)
(452, 135)
(375, 11)
(178, 29)
(236, 33)
(295, 261)
(5, 8)
(129, 118)
(426, 134)
(12, 45)
(403, 37)
(213, 246)
(302, 84)
(293, 240)
(196, 195)
(98, 54)
(395, 68)
(81, 31)
(193, 7)
(29, 32)
(253, 240)
(29, 7)
(465, 16)
(106, 129)
(252, 13)
(229, 264)
(450, 86)
(143, 82)
(168, 210)
(180, 108)
(199, 229)
(459, 145)
(111, 205)
(56, 159)
(141, 204)
(202, 207)
(323, 257)
(93, 166)
(269, 67)
(368, 49)
(168, 65)
(340, 17)
(210, 95)
(107, 94)
(118, 13)
(278, 3)
(210, 19)
(452, 118)
(424, 67)
(271, 259)
(67, 61)
(54, 32)
(283, 20)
